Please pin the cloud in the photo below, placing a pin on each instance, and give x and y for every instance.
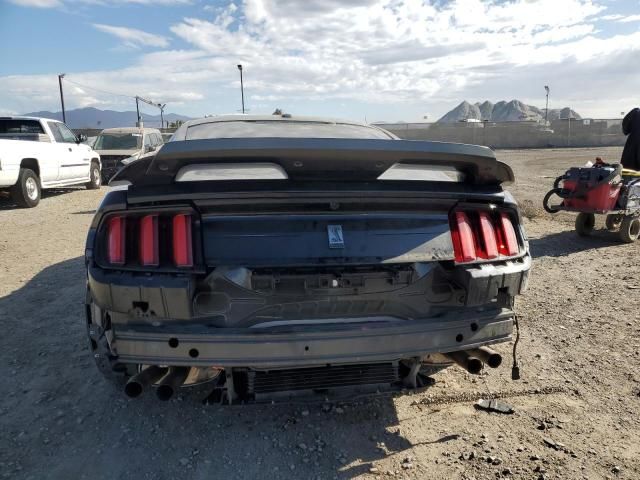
(132, 37)
(411, 52)
(37, 3)
(60, 3)
(372, 55)
(630, 18)
(615, 16)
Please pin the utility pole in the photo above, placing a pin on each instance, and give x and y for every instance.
(64, 116)
(546, 110)
(138, 110)
(161, 107)
(241, 87)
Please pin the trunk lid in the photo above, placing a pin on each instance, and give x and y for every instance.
(343, 239)
(327, 205)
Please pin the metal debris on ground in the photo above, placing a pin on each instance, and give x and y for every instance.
(494, 406)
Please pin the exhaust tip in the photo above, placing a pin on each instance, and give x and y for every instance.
(495, 360)
(133, 389)
(474, 365)
(488, 355)
(464, 359)
(142, 379)
(164, 392)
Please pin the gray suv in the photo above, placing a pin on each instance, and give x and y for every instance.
(117, 144)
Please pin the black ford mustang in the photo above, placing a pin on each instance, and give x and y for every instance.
(279, 256)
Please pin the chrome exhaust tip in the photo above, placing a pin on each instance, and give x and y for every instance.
(136, 384)
(463, 359)
(488, 356)
(171, 382)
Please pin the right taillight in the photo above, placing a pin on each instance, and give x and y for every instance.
(482, 235)
(462, 236)
(508, 244)
(489, 244)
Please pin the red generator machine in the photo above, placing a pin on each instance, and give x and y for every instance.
(600, 189)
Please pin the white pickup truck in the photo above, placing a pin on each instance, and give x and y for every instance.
(39, 153)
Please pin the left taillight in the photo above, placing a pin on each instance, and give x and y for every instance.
(182, 241)
(164, 240)
(116, 240)
(149, 255)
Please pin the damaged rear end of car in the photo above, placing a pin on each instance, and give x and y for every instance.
(274, 267)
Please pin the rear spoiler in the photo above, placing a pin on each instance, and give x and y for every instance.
(322, 159)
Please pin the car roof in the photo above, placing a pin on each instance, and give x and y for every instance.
(239, 117)
(284, 118)
(130, 130)
(23, 117)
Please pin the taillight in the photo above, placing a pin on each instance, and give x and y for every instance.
(149, 241)
(462, 235)
(482, 235)
(508, 244)
(161, 240)
(488, 235)
(182, 244)
(116, 236)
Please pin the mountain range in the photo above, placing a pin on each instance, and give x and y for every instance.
(513, 111)
(95, 118)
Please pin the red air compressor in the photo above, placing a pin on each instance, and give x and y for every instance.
(600, 189)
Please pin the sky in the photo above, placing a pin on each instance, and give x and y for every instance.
(367, 60)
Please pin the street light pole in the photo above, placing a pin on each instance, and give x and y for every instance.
(161, 107)
(138, 111)
(546, 110)
(241, 87)
(64, 116)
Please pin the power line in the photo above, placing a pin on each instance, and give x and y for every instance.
(137, 98)
(99, 90)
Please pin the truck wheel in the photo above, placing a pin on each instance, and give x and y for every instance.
(613, 221)
(630, 229)
(96, 177)
(585, 223)
(26, 191)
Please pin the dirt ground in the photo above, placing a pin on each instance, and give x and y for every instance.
(577, 405)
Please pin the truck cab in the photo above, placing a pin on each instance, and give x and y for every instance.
(40, 153)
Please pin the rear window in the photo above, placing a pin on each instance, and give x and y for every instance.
(20, 126)
(281, 129)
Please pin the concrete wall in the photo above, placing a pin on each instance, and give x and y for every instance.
(561, 133)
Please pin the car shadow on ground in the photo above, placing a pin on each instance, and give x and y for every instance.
(7, 204)
(567, 242)
(55, 385)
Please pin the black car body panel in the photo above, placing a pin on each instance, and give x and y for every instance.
(327, 268)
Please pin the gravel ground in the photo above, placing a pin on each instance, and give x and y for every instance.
(576, 408)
